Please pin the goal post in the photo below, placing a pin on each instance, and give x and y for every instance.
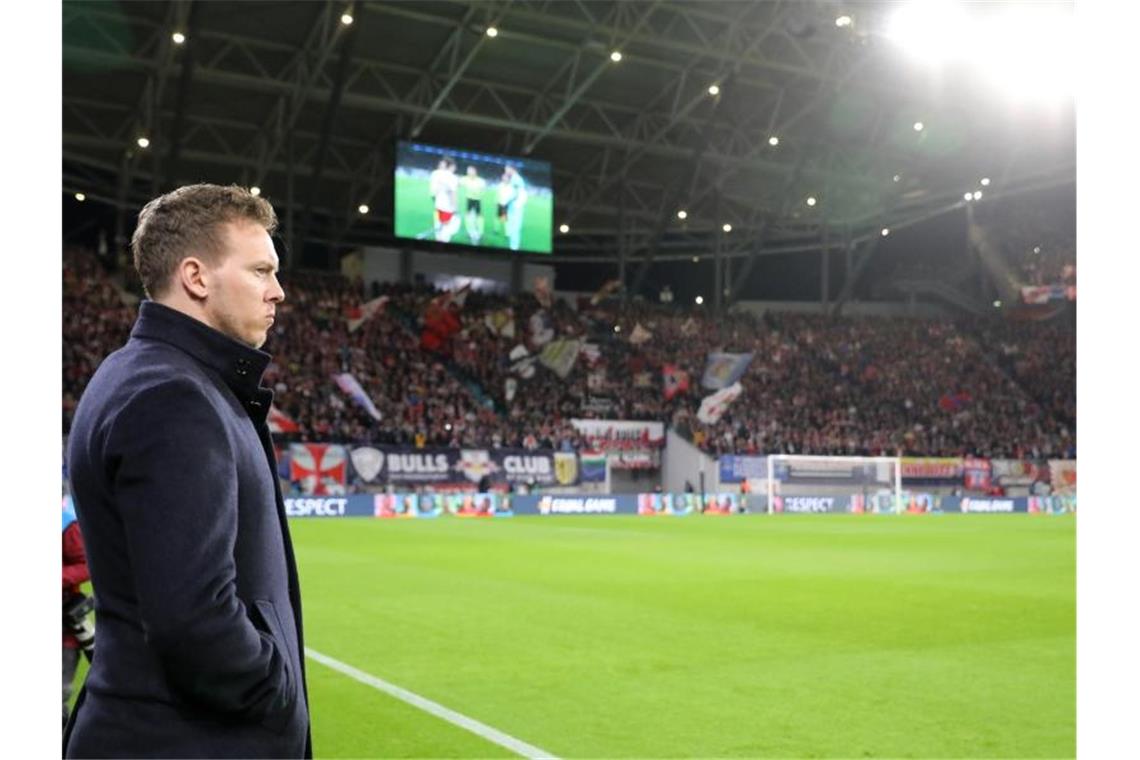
(803, 483)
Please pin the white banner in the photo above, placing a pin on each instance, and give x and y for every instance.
(618, 435)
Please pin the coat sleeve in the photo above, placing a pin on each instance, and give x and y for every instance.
(176, 489)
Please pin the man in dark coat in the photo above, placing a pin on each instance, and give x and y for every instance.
(199, 646)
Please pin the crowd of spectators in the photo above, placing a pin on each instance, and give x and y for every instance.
(816, 385)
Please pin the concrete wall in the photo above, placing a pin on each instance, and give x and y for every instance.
(683, 461)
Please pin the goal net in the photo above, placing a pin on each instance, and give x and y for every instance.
(798, 483)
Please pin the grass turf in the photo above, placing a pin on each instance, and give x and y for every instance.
(786, 636)
(415, 213)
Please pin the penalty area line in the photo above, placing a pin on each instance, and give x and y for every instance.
(492, 735)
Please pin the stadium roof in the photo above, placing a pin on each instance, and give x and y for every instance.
(259, 92)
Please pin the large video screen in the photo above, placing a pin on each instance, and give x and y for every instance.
(463, 197)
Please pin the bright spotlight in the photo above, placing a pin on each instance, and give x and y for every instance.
(1034, 57)
(617, 328)
(968, 196)
(885, 231)
(255, 191)
(700, 300)
(696, 259)
(178, 38)
(930, 30)
(896, 178)
(919, 126)
(997, 304)
(362, 208)
(80, 197)
(977, 195)
(714, 89)
(773, 141)
(682, 214)
(1037, 249)
(727, 227)
(143, 142)
(811, 200)
(492, 31)
(615, 56)
(346, 19)
(843, 21)
(564, 228)
(985, 182)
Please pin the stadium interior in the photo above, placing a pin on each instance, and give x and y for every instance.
(804, 256)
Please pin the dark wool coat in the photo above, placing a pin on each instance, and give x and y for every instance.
(198, 647)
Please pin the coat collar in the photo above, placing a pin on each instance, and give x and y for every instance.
(240, 366)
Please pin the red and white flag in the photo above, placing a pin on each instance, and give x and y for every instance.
(358, 315)
(279, 422)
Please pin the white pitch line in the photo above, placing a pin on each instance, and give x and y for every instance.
(492, 735)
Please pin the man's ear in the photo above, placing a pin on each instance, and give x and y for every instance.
(193, 276)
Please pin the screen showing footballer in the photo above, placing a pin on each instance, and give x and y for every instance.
(464, 197)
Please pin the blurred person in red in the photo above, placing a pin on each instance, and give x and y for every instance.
(77, 634)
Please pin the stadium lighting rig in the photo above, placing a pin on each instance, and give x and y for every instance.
(919, 126)
(885, 231)
(810, 200)
(985, 182)
(346, 18)
(843, 21)
(700, 300)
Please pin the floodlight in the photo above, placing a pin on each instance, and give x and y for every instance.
(143, 142)
(985, 182)
(255, 191)
(362, 208)
(682, 214)
(615, 56)
(727, 227)
(930, 30)
(885, 231)
(700, 300)
(178, 38)
(773, 141)
(977, 195)
(80, 197)
(811, 200)
(714, 89)
(919, 126)
(346, 19)
(843, 21)
(492, 31)
(564, 228)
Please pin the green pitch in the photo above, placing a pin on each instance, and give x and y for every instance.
(415, 212)
(784, 636)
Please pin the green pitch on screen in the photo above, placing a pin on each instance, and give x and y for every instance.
(415, 213)
(784, 636)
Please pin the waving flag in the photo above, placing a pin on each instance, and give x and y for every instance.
(559, 356)
(279, 422)
(675, 380)
(639, 335)
(541, 332)
(714, 406)
(358, 315)
(605, 292)
(351, 386)
(722, 370)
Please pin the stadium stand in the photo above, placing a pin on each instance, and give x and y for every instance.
(816, 385)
